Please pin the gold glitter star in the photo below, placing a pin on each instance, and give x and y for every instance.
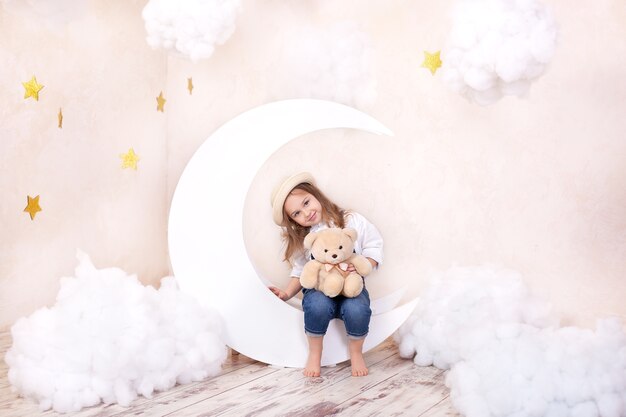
(60, 116)
(189, 85)
(32, 88)
(32, 207)
(129, 159)
(432, 61)
(160, 102)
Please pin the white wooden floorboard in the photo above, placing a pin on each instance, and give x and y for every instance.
(292, 388)
(394, 387)
(442, 409)
(236, 368)
(411, 391)
(327, 396)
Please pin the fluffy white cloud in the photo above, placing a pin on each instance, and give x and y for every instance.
(331, 63)
(506, 354)
(192, 28)
(498, 48)
(108, 338)
(545, 372)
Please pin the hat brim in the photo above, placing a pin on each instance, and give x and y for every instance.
(280, 194)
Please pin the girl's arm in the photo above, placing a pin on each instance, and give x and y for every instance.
(292, 289)
(369, 237)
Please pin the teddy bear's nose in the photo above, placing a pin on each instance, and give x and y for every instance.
(334, 256)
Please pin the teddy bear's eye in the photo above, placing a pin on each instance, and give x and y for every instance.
(325, 250)
(340, 247)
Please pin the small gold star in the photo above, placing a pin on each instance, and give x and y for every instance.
(32, 88)
(129, 159)
(60, 118)
(189, 85)
(32, 207)
(432, 61)
(160, 102)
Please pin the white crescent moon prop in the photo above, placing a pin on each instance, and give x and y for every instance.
(206, 242)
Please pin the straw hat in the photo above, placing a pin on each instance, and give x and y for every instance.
(280, 193)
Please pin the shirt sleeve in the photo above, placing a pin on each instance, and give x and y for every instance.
(298, 265)
(369, 237)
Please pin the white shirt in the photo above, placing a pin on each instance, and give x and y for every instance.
(369, 242)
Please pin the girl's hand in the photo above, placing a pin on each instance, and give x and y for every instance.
(351, 268)
(279, 293)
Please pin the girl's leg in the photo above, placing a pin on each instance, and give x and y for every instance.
(355, 313)
(356, 357)
(318, 311)
(312, 367)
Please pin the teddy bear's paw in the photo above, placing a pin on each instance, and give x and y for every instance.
(367, 269)
(332, 286)
(331, 293)
(330, 290)
(353, 286)
(363, 267)
(308, 282)
(352, 292)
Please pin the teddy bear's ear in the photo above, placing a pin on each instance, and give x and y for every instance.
(309, 239)
(350, 232)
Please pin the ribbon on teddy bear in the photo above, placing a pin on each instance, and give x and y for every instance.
(342, 267)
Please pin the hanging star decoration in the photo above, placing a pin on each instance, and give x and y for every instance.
(160, 102)
(32, 88)
(432, 61)
(60, 116)
(189, 85)
(32, 207)
(129, 159)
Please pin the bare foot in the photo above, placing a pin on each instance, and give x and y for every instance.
(356, 357)
(313, 363)
(313, 367)
(358, 364)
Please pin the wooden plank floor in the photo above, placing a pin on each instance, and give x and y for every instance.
(245, 387)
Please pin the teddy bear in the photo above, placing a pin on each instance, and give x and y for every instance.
(331, 251)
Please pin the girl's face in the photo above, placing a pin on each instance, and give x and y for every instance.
(303, 208)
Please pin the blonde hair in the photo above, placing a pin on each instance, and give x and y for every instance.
(293, 234)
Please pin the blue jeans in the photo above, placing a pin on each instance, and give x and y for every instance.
(320, 309)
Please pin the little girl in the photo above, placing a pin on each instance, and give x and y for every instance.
(299, 207)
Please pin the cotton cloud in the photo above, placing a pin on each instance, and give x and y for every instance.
(108, 338)
(507, 356)
(548, 372)
(192, 28)
(498, 48)
(331, 63)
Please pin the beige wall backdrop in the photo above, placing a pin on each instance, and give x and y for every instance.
(99, 70)
(537, 184)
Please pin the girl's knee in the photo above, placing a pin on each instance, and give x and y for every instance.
(319, 312)
(318, 305)
(356, 317)
(354, 309)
